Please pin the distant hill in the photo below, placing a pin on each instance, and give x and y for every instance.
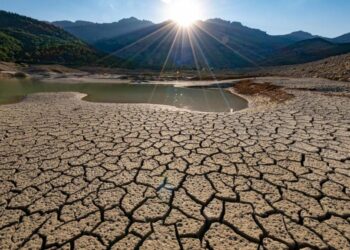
(298, 36)
(24, 39)
(306, 51)
(342, 39)
(92, 32)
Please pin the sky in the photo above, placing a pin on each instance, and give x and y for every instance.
(329, 18)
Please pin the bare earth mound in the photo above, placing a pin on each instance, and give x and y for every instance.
(273, 92)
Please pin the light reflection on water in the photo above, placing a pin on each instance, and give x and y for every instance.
(196, 99)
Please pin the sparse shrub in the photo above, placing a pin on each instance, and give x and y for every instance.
(20, 75)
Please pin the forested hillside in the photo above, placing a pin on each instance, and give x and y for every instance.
(24, 39)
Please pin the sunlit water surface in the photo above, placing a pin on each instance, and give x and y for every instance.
(195, 99)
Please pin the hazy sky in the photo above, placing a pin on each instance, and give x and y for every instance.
(322, 17)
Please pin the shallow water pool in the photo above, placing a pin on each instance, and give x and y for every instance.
(195, 99)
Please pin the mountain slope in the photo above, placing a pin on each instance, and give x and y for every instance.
(28, 40)
(215, 43)
(166, 45)
(335, 68)
(9, 47)
(251, 42)
(92, 32)
(298, 36)
(306, 51)
(342, 39)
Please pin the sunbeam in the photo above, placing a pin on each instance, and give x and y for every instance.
(170, 50)
(238, 42)
(189, 33)
(194, 54)
(155, 40)
(115, 53)
(228, 47)
(210, 70)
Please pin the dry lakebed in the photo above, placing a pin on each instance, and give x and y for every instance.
(275, 174)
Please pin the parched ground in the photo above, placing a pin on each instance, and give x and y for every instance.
(104, 176)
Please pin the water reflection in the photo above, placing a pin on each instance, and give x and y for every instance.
(197, 99)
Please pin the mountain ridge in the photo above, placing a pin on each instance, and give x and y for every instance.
(92, 32)
(226, 45)
(299, 34)
(345, 38)
(214, 43)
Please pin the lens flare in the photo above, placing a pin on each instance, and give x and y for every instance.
(184, 12)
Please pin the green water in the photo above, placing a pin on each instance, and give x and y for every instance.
(196, 99)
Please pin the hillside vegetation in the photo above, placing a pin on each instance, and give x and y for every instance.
(24, 39)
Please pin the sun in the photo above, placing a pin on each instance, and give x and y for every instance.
(184, 12)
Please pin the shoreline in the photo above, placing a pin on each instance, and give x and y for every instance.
(237, 105)
(254, 101)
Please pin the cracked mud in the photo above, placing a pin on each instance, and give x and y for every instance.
(103, 176)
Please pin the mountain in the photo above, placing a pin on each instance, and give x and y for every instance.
(253, 42)
(307, 51)
(342, 39)
(166, 45)
(24, 39)
(213, 43)
(92, 32)
(298, 36)
(217, 43)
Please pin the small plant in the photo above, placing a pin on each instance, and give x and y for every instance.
(20, 75)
